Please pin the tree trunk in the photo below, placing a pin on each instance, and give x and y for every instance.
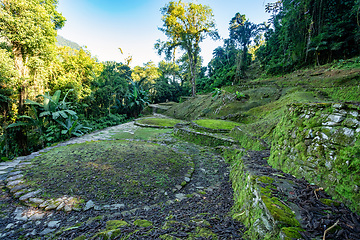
(193, 74)
(238, 67)
(174, 62)
(23, 72)
(241, 61)
(308, 40)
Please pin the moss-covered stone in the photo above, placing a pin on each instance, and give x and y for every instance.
(329, 202)
(94, 219)
(169, 224)
(279, 211)
(203, 232)
(248, 207)
(266, 179)
(108, 234)
(247, 140)
(200, 222)
(291, 232)
(142, 223)
(82, 237)
(168, 237)
(115, 224)
(203, 138)
(324, 151)
(266, 191)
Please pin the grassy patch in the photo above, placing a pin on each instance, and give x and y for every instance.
(106, 170)
(216, 124)
(141, 133)
(160, 122)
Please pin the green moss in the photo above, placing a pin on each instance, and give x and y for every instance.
(244, 208)
(109, 234)
(169, 217)
(161, 122)
(93, 219)
(77, 225)
(301, 147)
(200, 222)
(201, 232)
(207, 139)
(266, 191)
(82, 237)
(130, 235)
(279, 211)
(169, 224)
(329, 202)
(266, 179)
(141, 133)
(315, 160)
(115, 224)
(142, 223)
(292, 232)
(247, 140)
(108, 169)
(168, 237)
(216, 124)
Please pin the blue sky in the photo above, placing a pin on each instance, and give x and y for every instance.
(105, 25)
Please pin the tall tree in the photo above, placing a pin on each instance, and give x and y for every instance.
(310, 32)
(7, 74)
(74, 69)
(30, 28)
(112, 84)
(149, 72)
(242, 31)
(186, 25)
(222, 67)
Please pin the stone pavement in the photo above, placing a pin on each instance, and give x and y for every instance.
(25, 219)
(104, 134)
(17, 215)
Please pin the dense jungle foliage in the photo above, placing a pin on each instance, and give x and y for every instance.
(51, 90)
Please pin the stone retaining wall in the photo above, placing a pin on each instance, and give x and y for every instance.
(207, 139)
(256, 205)
(321, 142)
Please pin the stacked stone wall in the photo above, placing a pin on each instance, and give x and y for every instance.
(321, 142)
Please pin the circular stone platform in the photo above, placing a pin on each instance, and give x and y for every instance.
(108, 172)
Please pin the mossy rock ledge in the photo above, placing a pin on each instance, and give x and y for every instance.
(262, 197)
(204, 138)
(255, 205)
(321, 142)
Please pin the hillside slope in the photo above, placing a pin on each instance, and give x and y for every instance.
(61, 41)
(265, 99)
(309, 119)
